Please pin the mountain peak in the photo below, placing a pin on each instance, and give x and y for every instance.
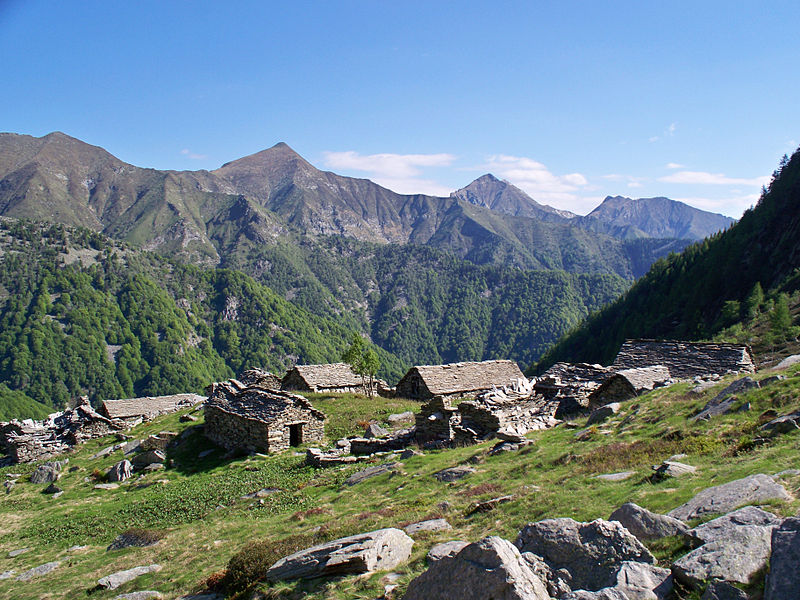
(501, 196)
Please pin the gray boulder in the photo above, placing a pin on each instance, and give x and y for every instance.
(363, 553)
(121, 471)
(489, 568)
(148, 458)
(48, 472)
(113, 581)
(724, 498)
(783, 579)
(143, 595)
(721, 527)
(592, 552)
(783, 424)
(723, 402)
(604, 412)
(604, 594)
(736, 557)
(403, 417)
(619, 476)
(374, 430)
(722, 590)
(453, 473)
(446, 550)
(671, 468)
(39, 571)
(640, 581)
(369, 473)
(646, 525)
(788, 361)
(429, 525)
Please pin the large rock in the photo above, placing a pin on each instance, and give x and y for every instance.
(783, 579)
(722, 590)
(726, 497)
(604, 412)
(121, 471)
(671, 468)
(39, 571)
(453, 473)
(362, 553)
(720, 528)
(723, 402)
(148, 458)
(429, 525)
(737, 557)
(592, 552)
(445, 550)
(113, 581)
(604, 594)
(48, 472)
(640, 581)
(369, 473)
(490, 568)
(646, 525)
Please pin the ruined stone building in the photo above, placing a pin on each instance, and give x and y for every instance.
(29, 440)
(464, 379)
(133, 410)
(685, 360)
(571, 384)
(629, 383)
(256, 419)
(261, 378)
(336, 378)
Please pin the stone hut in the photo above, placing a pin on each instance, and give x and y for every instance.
(336, 378)
(570, 385)
(257, 419)
(134, 410)
(261, 378)
(685, 360)
(464, 379)
(29, 440)
(629, 383)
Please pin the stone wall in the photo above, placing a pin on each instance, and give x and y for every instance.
(685, 360)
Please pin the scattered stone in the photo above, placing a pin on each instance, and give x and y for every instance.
(134, 538)
(131, 446)
(453, 473)
(723, 402)
(52, 489)
(489, 568)
(783, 424)
(621, 476)
(7, 574)
(724, 498)
(671, 468)
(720, 528)
(154, 467)
(782, 580)
(143, 595)
(76, 547)
(363, 553)
(262, 493)
(404, 417)
(211, 596)
(676, 457)
(446, 550)
(722, 590)
(121, 471)
(604, 594)
(15, 553)
(788, 473)
(374, 430)
(788, 361)
(489, 505)
(106, 451)
(739, 556)
(148, 458)
(604, 412)
(9, 485)
(106, 486)
(429, 525)
(444, 506)
(158, 442)
(591, 552)
(48, 472)
(646, 525)
(640, 581)
(187, 419)
(113, 581)
(369, 473)
(39, 571)
(408, 453)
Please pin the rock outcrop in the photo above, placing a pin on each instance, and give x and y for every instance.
(646, 525)
(783, 582)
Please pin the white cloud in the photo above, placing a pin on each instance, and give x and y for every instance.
(187, 153)
(655, 138)
(631, 180)
(671, 129)
(673, 165)
(539, 182)
(732, 207)
(703, 178)
(398, 172)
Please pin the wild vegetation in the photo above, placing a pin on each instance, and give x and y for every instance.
(211, 535)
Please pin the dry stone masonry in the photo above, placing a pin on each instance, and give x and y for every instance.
(458, 380)
(685, 360)
(257, 419)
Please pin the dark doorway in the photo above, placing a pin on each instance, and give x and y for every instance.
(296, 434)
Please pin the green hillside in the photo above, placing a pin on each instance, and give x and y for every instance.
(710, 286)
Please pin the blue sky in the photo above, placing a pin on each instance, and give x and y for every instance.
(571, 101)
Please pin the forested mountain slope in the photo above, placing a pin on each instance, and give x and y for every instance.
(695, 294)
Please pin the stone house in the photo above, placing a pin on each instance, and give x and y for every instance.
(335, 378)
(29, 440)
(256, 419)
(629, 383)
(571, 384)
(260, 377)
(132, 410)
(685, 360)
(464, 379)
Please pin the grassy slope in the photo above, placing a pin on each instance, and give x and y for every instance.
(205, 522)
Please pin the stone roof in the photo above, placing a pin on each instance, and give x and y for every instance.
(148, 406)
(467, 377)
(685, 359)
(256, 402)
(577, 373)
(645, 378)
(334, 375)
